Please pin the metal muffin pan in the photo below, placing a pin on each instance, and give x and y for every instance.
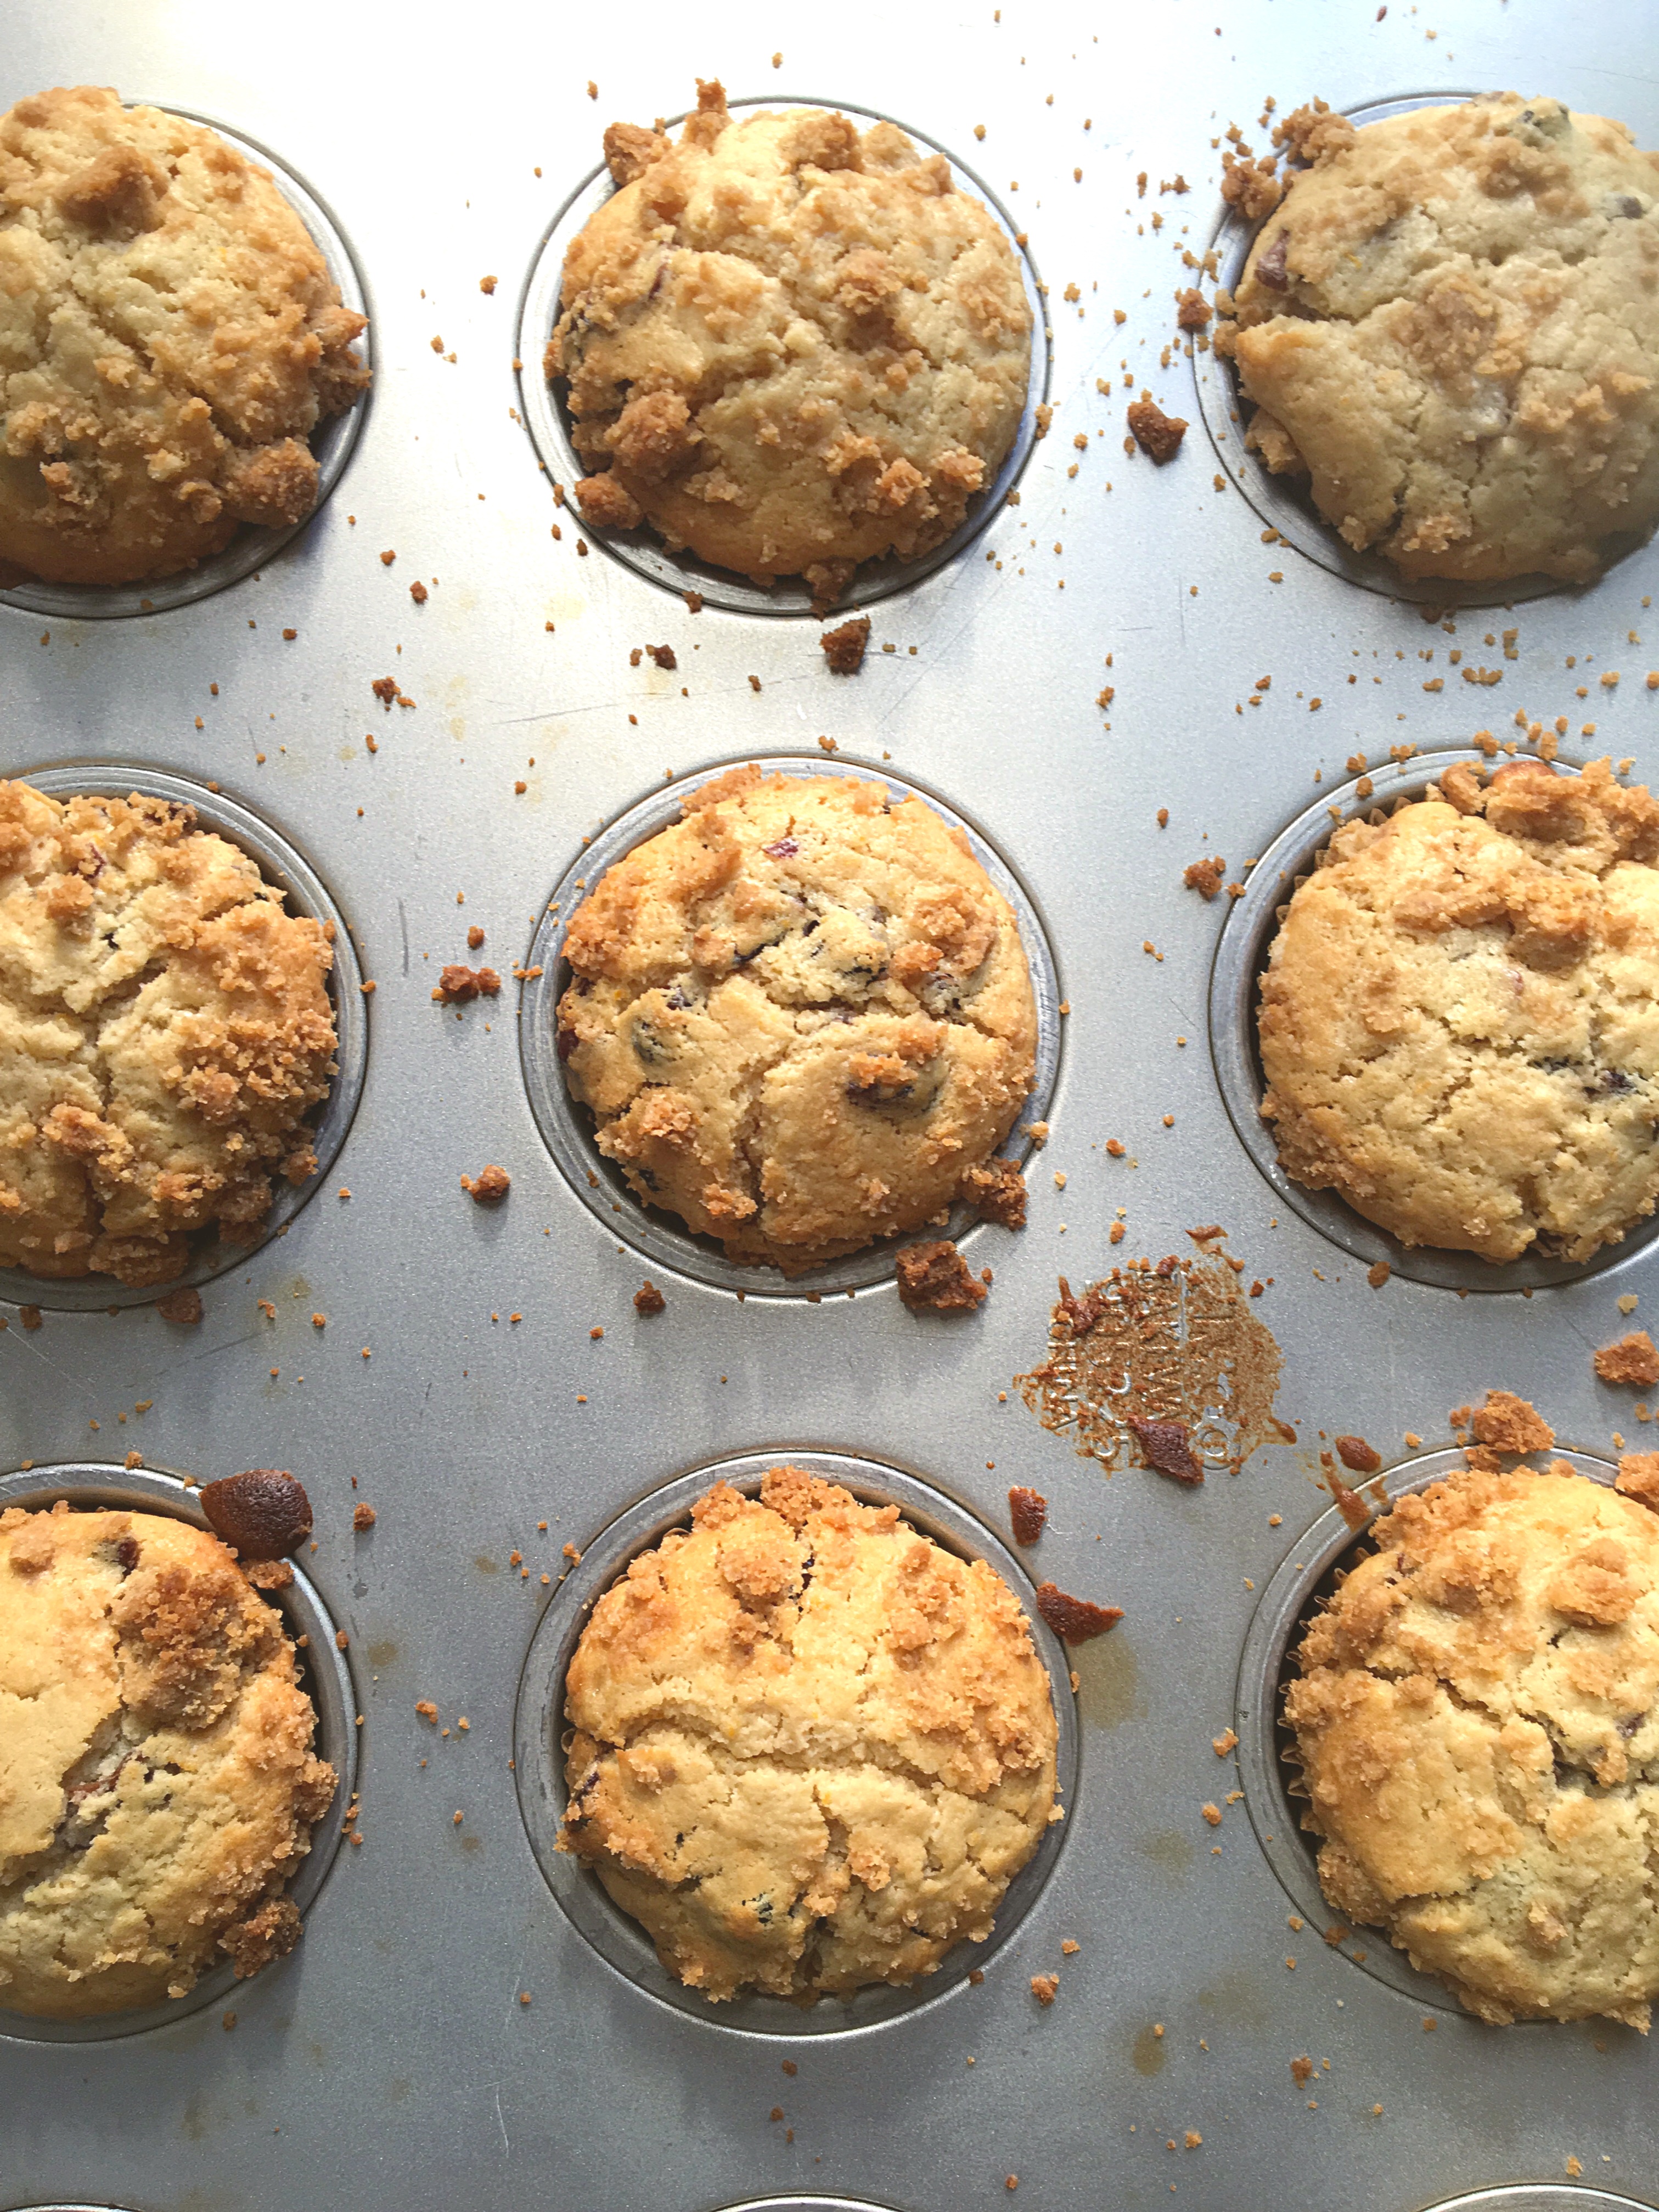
(487, 1406)
(331, 442)
(324, 1675)
(1240, 960)
(539, 1724)
(567, 1128)
(548, 419)
(284, 866)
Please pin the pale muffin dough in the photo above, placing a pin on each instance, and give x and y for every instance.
(165, 1030)
(1451, 324)
(1460, 1017)
(789, 347)
(169, 339)
(1476, 1725)
(811, 1749)
(157, 1782)
(801, 1016)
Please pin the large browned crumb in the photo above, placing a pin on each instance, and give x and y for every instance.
(1638, 1478)
(935, 1277)
(488, 1187)
(1045, 1988)
(1302, 2071)
(1508, 1424)
(663, 655)
(1167, 1448)
(1028, 1511)
(649, 1299)
(843, 647)
(1357, 1455)
(1156, 433)
(458, 983)
(1075, 1620)
(1634, 1358)
(183, 1306)
(363, 1517)
(269, 1933)
(1205, 876)
(1193, 310)
(997, 1193)
(262, 1513)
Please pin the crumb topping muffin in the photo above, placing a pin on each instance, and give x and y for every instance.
(1460, 1017)
(811, 1749)
(1477, 1728)
(169, 339)
(158, 1786)
(801, 1016)
(789, 346)
(1450, 323)
(165, 1030)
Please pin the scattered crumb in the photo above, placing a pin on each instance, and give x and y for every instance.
(997, 1193)
(1157, 434)
(1045, 1988)
(1508, 1423)
(1206, 876)
(1634, 1358)
(1359, 1456)
(489, 1188)
(183, 1306)
(458, 983)
(362, 1516)
(1028, 1511)
(649, 1299)
(935, 1276)
(1222, 1744)
(844, 648)
(1075, 1620)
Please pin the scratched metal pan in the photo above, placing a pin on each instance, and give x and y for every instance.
(446, 2033)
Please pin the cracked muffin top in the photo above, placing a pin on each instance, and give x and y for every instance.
(1450, 323)
(789, 346)
(801, 1016)
(1477, 1726)
(1460, 1017)
(169, 339)
(165, 1030)
(158, 1786)
(811, 1749)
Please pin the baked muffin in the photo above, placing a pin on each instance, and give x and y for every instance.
(1476, 1724)
(169, 339)
(801, 1016)
(1450, 324)
(1460, 1017)
(165, 1030)
(159, 1786)
(810, 1749)
(789, 346)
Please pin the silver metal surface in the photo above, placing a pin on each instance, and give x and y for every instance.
(391, 2056)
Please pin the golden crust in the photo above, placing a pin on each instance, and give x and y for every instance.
(800, 1017)
(788, 346)
(1460, 1017)
(1477, 1725)
(158, 1785)
(165, 1030)
(1451, 322)
(169, 339)
(811, 1748)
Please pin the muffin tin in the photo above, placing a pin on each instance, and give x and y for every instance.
(486, 1406)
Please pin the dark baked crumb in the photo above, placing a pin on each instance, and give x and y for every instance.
(417, 592)
(1167, 1448)
(1638, 1478)
(936, 1276)
(1378, 1273)
(1045, 1988)
(1156, 433)
(663, 655)
(1028, 1511)
(262, 1513)
(475, 938)
(182, 1306)
(1352, 1506)
(1205, 876)
(1191, 310)
(269, 1933)
(1634, 1358)
(1081, 1313)
(1075, 1620)
(362, 1516)
(1356, 1454)
(1508, 1423)
(488, 1187)
(997, 1193)
(843, 647)
(649, 1299)
(458, 983)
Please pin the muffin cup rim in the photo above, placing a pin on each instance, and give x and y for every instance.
(287, 867)
(332, 442)
(660, 1238)
(1240, 960)
(539, 1723)
(101, 1486)
(642, 552)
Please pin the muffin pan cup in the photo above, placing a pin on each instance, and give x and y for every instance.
(1284, 501)
(331, 442)
(284, 866)
(642, 550)
(567, 1128)
(1266, 1763)
(1240, 960)
(324, 1673)
(539, 1725)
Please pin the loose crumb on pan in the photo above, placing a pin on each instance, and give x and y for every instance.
(1028, 1511)
(1508, 1423)
(488, 1187)
(1168, 1448)
(997, 1193)
(183, 1306)
(1206, 876)
(363, 1517)
(458, 984)
(1045, 1988)
(1157, 434)
(649, 1299)
(1075, 1620)
(934, 1277)
(844, 647)
(1634, 1358)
